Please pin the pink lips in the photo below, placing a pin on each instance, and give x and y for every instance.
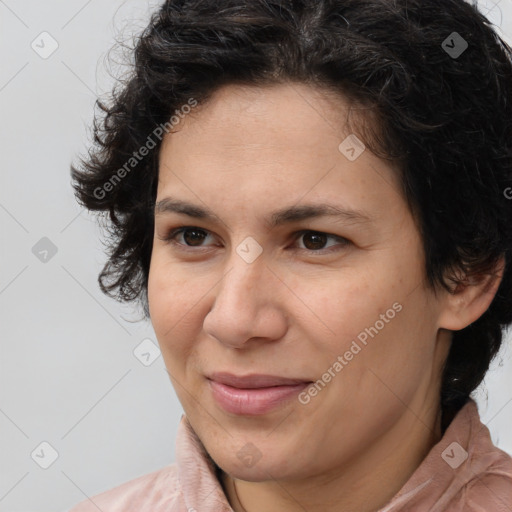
(253, 394)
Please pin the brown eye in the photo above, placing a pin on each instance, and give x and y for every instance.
(314, 241)
(192, 237)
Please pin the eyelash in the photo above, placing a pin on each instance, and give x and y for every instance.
(170, 238)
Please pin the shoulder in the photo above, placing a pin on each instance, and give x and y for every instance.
(463, 472)
(155, 492)
(484, 479)
(491, 489)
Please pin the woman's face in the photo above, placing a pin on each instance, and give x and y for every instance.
(343, 304)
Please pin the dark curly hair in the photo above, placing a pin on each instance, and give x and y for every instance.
(444, 117)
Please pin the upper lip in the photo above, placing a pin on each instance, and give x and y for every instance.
(253, 380)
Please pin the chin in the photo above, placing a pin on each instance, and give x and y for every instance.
(260, 472)
(269, 463)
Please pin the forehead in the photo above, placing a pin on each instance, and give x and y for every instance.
(284, 114)
(255, 144)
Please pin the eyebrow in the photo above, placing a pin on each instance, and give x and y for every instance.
(284, 216)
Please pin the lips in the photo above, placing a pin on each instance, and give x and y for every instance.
(254, 381)
(254, 394)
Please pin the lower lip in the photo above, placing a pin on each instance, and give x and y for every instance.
(253, 402)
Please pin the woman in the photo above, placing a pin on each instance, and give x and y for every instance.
(311, 201)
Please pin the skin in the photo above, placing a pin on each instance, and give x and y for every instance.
(297, 307)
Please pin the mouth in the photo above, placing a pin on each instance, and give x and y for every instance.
(254, 394)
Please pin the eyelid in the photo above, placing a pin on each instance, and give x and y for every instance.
(170, 236)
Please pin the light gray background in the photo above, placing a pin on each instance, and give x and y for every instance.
(69, 375)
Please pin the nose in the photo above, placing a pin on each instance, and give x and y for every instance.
(247, 306)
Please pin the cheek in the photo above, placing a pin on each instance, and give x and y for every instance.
(167, 312)
(168, 297)
(158, 298)
(396, 356)
(373, 319)
(177, 305)
(344, 304)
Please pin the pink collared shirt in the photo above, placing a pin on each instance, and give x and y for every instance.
(464, 472)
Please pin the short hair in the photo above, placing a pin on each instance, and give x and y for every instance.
(432, 86)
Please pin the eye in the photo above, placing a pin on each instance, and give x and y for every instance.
(191, 235)
(314, 241)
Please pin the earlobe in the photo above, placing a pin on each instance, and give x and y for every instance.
(470, 299)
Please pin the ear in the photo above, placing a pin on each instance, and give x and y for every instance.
(470, 299)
